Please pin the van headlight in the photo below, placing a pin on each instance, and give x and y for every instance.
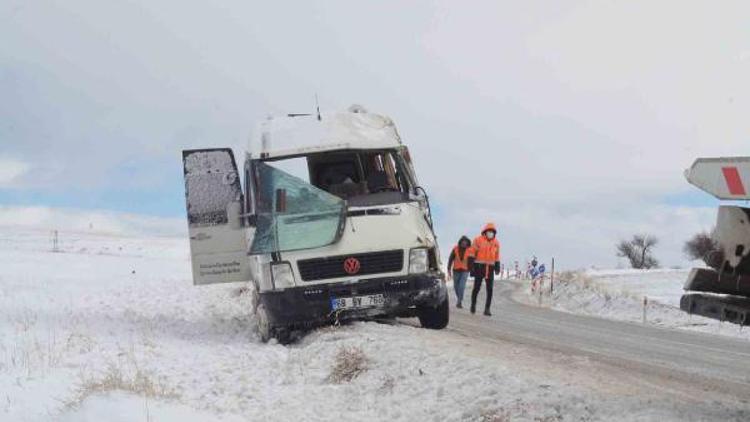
(282, 275)
(418, 261)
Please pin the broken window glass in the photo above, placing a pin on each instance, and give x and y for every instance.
(292, 214)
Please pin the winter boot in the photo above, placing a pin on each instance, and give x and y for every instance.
(473, 308)
(459, 305)
(487, 312)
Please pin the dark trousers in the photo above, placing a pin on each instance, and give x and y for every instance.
(478, 287)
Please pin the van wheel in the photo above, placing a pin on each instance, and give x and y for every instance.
(264, 326)
(283, 335)
(435, 318)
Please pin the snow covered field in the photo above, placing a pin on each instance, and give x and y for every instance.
(618, 294)
(110, 328)
(660, 285)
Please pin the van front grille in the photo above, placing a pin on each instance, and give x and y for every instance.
(369, 263)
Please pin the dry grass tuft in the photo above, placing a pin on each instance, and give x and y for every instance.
(524, 411)
(349, 363)
(114, 379)
(500, 415)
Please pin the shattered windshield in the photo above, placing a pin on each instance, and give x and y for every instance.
(360, 177)
(293, 214)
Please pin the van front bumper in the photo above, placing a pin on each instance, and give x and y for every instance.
(307, 306)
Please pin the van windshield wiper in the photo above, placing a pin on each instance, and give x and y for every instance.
(374, 211)
(308, 217)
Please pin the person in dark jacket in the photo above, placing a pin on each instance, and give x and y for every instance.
(458, 265)
(485, 265)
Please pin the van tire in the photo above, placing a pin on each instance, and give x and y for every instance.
(264, 325)
(283, 335)
(434, 318)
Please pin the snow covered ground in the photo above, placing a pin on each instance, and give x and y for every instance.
(619, 294)
(111, 328)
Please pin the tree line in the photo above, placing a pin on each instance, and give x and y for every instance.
(639, 250)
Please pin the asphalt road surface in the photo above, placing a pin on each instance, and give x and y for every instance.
(693, 366)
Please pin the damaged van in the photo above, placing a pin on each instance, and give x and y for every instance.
(330, 225)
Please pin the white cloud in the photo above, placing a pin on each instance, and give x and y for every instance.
(11, 170)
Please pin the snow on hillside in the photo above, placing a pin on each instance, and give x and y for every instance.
(110, 328)
(619, 294)
(89, 221)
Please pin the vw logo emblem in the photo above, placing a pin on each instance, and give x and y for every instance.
(351, 265)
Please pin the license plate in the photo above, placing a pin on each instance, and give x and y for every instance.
(356, 302)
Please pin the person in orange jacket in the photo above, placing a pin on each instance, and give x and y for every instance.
(484, 264)
(458, 266)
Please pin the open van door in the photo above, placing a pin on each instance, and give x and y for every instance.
(213, 196)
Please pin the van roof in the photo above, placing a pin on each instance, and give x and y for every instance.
(304, 134)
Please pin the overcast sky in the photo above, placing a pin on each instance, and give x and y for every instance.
(569, 124)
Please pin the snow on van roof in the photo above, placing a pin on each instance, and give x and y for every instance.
(352, 129)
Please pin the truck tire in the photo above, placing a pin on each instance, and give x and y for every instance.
(434, 318)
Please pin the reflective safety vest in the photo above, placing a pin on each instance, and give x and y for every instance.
(486, 251)
(458, 263)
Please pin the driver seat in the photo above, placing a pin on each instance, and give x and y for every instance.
(378, 182)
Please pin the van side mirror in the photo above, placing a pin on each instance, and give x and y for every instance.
(280, 200)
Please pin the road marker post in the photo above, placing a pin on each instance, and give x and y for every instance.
(55, 242)
(540, 288)
(552, 277)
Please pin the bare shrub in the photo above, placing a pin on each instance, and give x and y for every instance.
(348, 364)
(639, 251)
(703, 247)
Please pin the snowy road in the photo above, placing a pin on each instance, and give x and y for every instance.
(689, 366)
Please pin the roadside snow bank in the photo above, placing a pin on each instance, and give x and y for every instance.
(619, 294)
